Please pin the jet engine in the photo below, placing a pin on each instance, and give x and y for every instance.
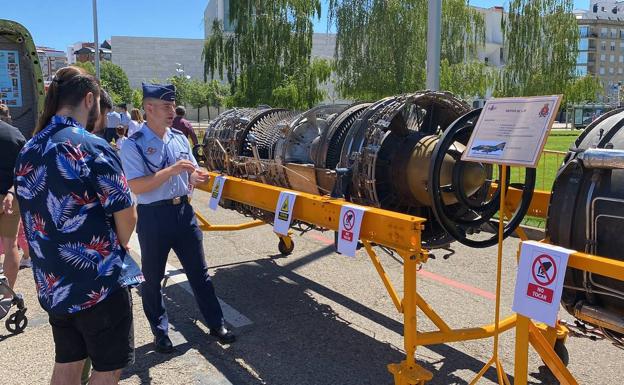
(401, 153)
(587, 213)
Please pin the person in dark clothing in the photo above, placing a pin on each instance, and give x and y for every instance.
(11, 142)
(179, 123)
(99, 126)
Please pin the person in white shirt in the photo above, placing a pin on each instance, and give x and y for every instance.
(122, 110)
(136, 122)
(112, 121)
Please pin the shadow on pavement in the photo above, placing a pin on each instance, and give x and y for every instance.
(294, 339)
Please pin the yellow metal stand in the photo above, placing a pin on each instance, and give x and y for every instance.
(402, 233)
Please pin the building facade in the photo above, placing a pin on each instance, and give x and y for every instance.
(51, 60)
(601, 45)
(146, 59)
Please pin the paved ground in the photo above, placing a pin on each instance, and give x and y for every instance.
(313, 317)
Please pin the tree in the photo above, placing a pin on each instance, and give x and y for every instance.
(301, 90)
(182, 84)
(137, 97)
(541, 45)
(586, 89)
(269, 49)
(87, 66)
(467, 80)
(381, 44)
(197, 93)
(113, 79)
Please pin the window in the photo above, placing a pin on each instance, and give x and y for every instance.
(583, 44)
(612, 58)
(612, 46)
(603, 57)
(582, 58)
(621, 58)
(613, 33)
(584, 31)
(603, 45)
(621, 33)
(602, 71)
(620, 70)
(603, 32)
(611, 70)
(581, 70)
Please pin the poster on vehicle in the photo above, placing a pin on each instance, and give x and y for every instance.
(349, 229)
(512, 131)
(283, 212)
(10, 79)
(539, 281)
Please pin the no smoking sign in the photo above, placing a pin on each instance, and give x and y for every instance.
(349, 229)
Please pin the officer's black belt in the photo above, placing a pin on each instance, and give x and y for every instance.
(167, 202)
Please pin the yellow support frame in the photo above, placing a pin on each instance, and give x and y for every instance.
(402, 233)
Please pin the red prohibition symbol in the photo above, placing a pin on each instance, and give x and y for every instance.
(544, 270)
(348, 220)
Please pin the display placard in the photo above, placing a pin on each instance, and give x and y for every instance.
(512, 131)
(10, 79)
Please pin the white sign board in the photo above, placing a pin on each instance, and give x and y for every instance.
(349, 229)
(283, 212)
(540, 281)
(215, 195)
(512, 131)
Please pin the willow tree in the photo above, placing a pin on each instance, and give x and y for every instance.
(541, 43)
(381, 44)
(269, 49)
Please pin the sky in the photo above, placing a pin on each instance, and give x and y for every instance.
(60, 23)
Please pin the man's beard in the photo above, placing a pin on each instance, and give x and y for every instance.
(94, 113)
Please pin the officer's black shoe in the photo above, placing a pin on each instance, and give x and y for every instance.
(163, 344)
(223, 335)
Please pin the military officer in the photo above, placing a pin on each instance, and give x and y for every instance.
(160, 169)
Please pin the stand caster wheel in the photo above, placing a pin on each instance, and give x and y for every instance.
(281, 246)
(16, 323)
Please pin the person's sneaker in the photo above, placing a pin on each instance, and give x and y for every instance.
(223, 335)
(163, 344)
(25, 263)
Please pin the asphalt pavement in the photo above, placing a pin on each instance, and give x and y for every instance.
(313, 317)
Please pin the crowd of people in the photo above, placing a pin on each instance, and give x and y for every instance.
(89, 177)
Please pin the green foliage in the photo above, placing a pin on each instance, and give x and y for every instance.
(381, 44)
(137, 98)
(301, 90)
(466, 80)
(268, 54)
(87, 66)
(115, 81)
(541, 42)
(182, 84)
(586, 89)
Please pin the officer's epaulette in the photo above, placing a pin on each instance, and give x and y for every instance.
(135, 136)
(176, 131)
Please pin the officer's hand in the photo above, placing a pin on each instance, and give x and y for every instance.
(181, 166)
(198, 177)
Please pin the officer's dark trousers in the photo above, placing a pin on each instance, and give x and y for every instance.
(160, 229)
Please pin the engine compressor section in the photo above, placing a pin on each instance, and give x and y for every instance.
(401, 153)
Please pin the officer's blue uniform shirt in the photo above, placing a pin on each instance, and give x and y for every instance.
(144, 153)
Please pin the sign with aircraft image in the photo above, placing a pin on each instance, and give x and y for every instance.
(512, 131)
